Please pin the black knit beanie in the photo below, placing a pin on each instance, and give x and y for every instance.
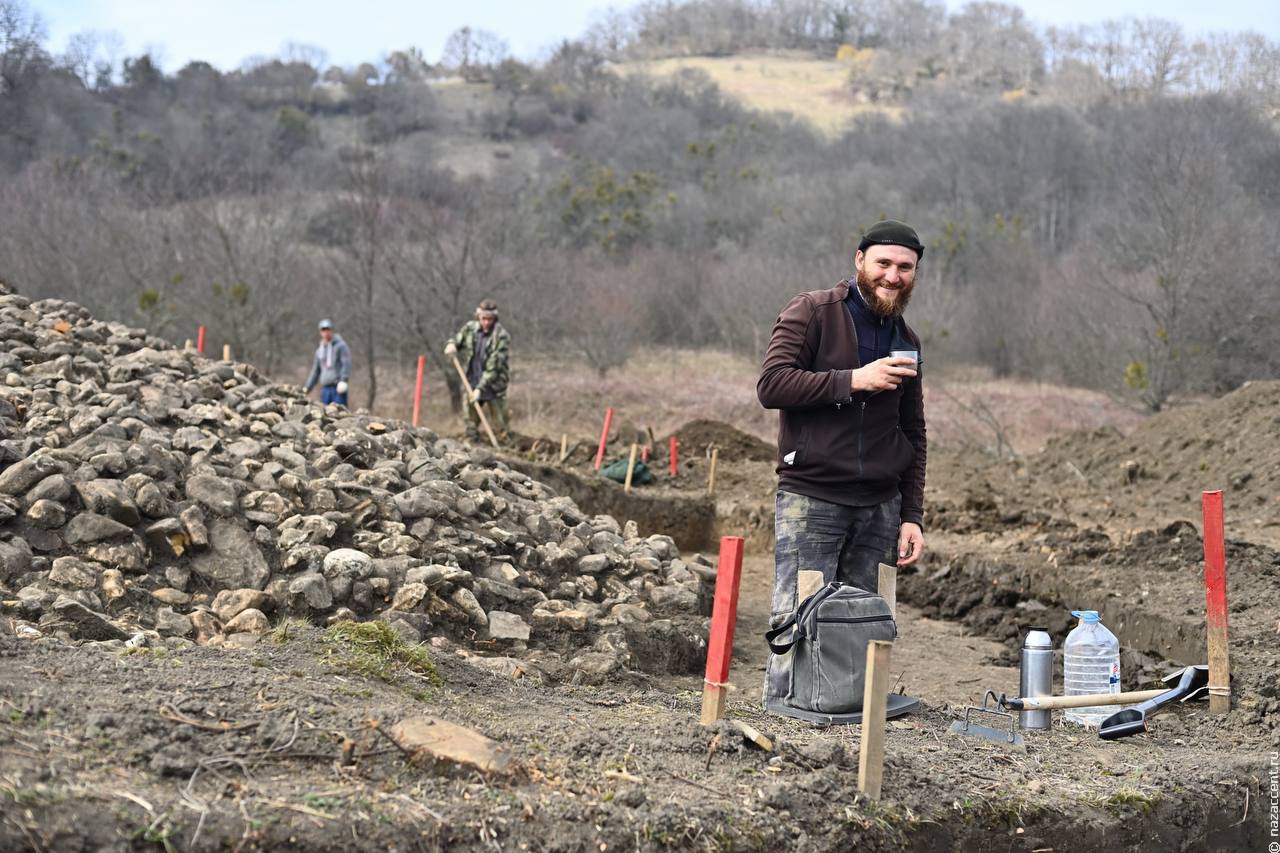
(891, 232)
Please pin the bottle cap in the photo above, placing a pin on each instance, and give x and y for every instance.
(1087, 616)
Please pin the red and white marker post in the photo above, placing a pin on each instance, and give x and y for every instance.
(604, 436)
(417, 389)
(724, 614)
(672, 454)
(1215, 593)
(200, 340)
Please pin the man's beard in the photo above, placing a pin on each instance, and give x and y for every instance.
(883, 307)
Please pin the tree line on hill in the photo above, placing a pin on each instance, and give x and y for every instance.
(1099, 203)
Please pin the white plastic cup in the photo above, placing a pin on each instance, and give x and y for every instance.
(914, 355)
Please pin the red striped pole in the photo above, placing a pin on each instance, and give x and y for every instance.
(604, 436)
(1215, 593)
(417, 389)
(673, 455)
(200, 341)
(723, 616)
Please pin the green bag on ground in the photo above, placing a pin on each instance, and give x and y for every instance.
(617, 471)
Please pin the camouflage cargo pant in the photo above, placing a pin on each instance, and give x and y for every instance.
(845, 543)
(496, 411)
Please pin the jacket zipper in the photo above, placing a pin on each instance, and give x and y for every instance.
(862, 412)
(852, 620)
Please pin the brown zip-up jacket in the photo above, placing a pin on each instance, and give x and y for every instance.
(852, 449)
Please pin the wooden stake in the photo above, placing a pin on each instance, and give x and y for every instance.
(889, 587)
(631, 467)
(564, 447)
(808, 582)
(466, 386)
(417, 388)
(724, 614)
(875, 700)
(187, 345)
(1215, 592)
(226, 352)
(604, 437)
(711, 475)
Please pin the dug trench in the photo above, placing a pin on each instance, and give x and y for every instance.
(997, 567)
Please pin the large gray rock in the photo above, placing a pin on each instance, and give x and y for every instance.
(347, 562)
(74, 573)
(110, 498)
(233, 559)
(507, 626)
(91, 527)
(465, 601)
(47, 514)
(678, 598)
(229, 603)
(15, 558)
(215, 493)
(128, 556)
(310, 590)
(55, 487)
(593, 564)
(25, 473)
(418, 502)
(85, 624)
(172, 624)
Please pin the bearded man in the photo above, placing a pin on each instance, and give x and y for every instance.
(851, 431)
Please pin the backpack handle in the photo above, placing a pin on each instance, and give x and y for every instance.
(800, 624)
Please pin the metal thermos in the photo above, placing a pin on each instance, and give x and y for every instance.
(1036, 677)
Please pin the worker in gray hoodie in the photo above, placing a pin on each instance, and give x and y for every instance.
(332, 367)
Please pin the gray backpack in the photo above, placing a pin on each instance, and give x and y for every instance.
(827, 640)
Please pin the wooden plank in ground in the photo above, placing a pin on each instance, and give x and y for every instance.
(889, 587)
(875, 699)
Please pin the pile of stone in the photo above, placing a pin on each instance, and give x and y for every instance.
(148, 493)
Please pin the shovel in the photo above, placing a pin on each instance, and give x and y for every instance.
(1193, 683)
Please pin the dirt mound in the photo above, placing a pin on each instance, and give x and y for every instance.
(1230, 443)
(153, 495)
(697, 436)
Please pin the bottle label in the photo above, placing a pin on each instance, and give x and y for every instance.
(1113, 683)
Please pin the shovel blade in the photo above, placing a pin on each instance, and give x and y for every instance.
(1122, 724)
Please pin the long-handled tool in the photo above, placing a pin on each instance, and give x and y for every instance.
(1082, 700)
(466, 386)
(1193, 683)
(1092, 700)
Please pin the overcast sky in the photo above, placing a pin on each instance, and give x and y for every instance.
(227, 32)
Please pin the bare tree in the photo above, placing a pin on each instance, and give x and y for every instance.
(472, 52)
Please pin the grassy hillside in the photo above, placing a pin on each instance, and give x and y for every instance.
(814, 90)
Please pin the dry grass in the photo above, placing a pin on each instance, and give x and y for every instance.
(814, 90)
(664, 388)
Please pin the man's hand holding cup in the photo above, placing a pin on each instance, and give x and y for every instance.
(883, 374)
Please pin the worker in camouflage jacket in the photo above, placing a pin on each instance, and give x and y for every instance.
(482, 346)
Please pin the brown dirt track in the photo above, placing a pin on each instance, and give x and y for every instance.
(625, 766)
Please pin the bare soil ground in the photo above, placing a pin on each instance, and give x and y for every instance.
(242, 749)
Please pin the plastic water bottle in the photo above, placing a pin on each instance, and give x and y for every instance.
(1091, 664)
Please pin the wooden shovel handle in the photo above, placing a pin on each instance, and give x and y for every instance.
(1087, 700)
(466, 386)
